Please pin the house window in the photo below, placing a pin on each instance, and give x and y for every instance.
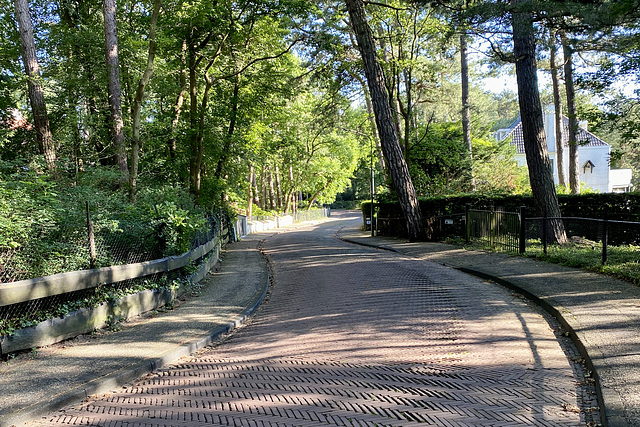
(588, 167)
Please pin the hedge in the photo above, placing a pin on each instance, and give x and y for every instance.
(613, 206)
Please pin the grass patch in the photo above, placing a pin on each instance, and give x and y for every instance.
(623, 262)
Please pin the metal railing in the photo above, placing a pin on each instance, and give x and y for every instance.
(601, 235)
(495, 228)
(512, 232)
(83, 241)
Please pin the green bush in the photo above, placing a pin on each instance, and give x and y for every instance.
(43, 222)
(622, 206)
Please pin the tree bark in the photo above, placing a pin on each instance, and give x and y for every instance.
(116, 124)
(391, 84)
(407, 113)
(290, 203)
(574, 166)
(557, 105)
(44, 137)
(255, 192)
(384, 119)
(171, 143)
(272, 191)
(263, 188)
(137, 101)
(466, 113)
(194, 165)
(235, 99)
(278, 189)
(372, 123)
(250, 193)
(535, 144)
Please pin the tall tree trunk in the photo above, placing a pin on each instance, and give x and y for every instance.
(384, 119)
(372, 122)
(290, 203)
(263, 188)
(36, 92)
(194, 166)
(278, 189)
(370, 115)
(466, 113)
(535, 144)
(116, 125)
(137, 101)
(272, 190)
(198, 138)
(232, 126)
(287, 203)
(407, 114)
(391, 84)
(250, 193)
(557, 105)
(255, 192)
(574, 166)
(171, 143)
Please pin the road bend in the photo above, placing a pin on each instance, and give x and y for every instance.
(352, 335)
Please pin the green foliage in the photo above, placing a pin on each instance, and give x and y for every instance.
(439, 162)
(43, 227)
(105, 294)
(496, 170)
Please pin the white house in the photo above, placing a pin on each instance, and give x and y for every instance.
(593, 155)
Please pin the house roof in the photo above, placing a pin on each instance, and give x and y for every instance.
(584, 137)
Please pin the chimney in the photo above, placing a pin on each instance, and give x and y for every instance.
(583, 124)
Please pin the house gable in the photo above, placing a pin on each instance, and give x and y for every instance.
(593, 153)
(584, 137)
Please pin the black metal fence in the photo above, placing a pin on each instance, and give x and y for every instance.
(495, 228)
(514, 232)
(600, 235)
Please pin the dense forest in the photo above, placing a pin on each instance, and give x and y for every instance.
(271, 106)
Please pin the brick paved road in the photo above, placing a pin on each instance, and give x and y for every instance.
(356, 336)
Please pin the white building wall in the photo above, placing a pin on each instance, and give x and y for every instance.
(550, 128)
(598, 178)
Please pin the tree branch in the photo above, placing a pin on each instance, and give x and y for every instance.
(375, 3)
(264, 58)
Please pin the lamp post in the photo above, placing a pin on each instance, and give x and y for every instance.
(373, 185)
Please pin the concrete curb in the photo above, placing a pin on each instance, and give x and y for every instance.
(608, 400)
(556, 313)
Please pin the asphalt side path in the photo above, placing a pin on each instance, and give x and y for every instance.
(32, 385)
(603, 312)
(351, 335)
